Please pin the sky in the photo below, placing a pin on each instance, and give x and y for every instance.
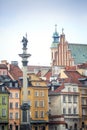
(37, 18)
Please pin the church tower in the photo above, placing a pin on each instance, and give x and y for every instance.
(54, 47)
(60, 52)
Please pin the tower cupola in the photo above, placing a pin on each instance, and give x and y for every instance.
(55, 35)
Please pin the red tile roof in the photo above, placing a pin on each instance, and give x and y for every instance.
(15, 72)
(3, 66)
(73, 77)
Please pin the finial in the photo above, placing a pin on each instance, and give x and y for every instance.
(62, 30)
(55, 27)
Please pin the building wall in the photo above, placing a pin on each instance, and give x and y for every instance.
(14, 120)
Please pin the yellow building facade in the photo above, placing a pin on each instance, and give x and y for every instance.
(37, 92)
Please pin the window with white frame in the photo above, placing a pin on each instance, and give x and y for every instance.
(64, 110)
(64, 98)
(36, 103)
(75, 99)
(69, 89)
(69, 110)
(16, 115)
(16, 95)
(36, 93)
(74, 89)
(41, 93)
(3, 112)
(36, 114)
(42, 114)
(69, 98)
(3, 100)
(11, 105)
(74, 110)
(16, 105)
(42, 103)
(11, 95)
(11, 115)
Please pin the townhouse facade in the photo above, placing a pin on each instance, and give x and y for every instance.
(38, 99)
(64, 103)
(4, 107)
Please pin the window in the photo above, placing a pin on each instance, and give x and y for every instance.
(16, 95)
(16, 115)
(41, 103)
(69, 111)
(3, 89)
(11, 96)
(3, 127)
(36, 93)
(41, 114)
(82, 101)
(3, 100)
(69, 89)
(75, 99)
(74, 89)
(11, 116)
(64, 98)
(16, 105)
(28, 92)
(64, 110)
(69, 98)
(11, 105)
(74, 110)
(3, 112)
(36, 114)
(42, 93)
(36, 103)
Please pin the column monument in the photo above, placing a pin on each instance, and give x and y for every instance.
(25, 106)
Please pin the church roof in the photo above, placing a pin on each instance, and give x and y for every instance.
(79, 52)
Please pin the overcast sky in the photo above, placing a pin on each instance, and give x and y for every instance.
(38, 19)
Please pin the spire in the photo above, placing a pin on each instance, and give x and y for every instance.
(55, 35)
(55, 27)
(62, 31)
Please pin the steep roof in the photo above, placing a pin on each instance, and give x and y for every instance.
(79, 52)
(15, 72)
(3, 66)
(73, 77)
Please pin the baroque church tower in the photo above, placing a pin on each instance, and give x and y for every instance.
(60, 52)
